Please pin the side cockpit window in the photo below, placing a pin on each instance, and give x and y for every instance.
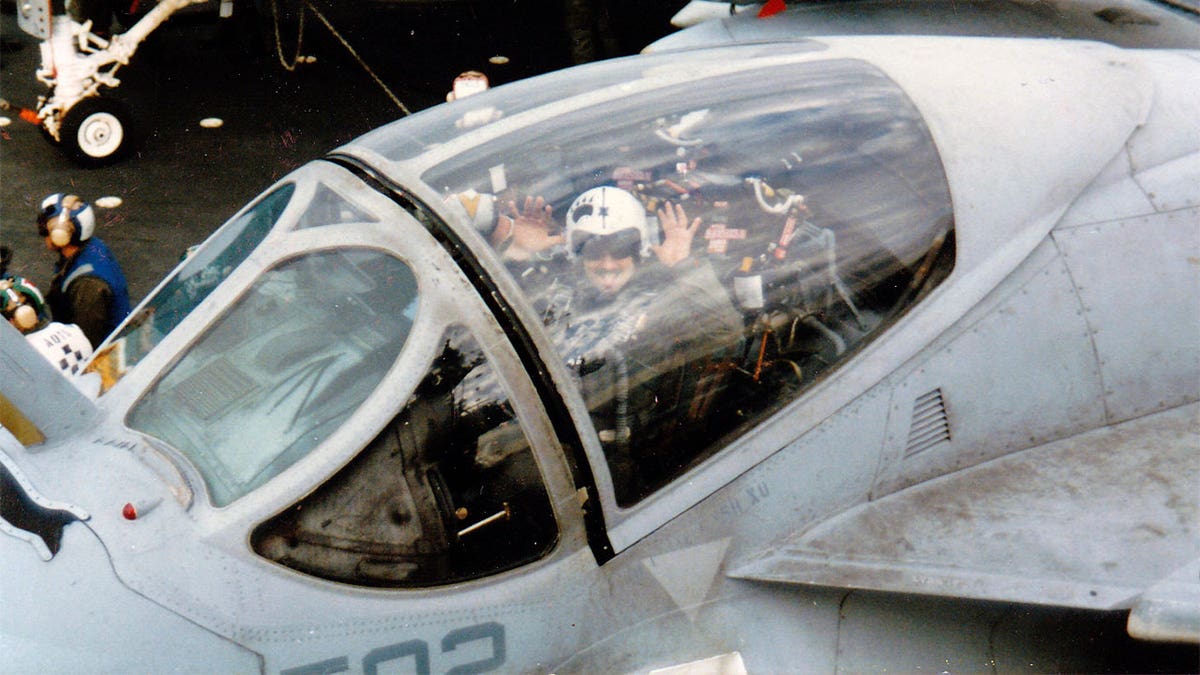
(448, 492)
(703, 254)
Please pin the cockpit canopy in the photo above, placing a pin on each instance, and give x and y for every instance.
(822, 209)
(786, 212)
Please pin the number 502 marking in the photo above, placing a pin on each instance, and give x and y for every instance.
(418, 650)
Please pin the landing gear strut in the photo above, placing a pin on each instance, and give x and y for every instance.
(77, 65)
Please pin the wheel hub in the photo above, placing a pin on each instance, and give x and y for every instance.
(100, 134)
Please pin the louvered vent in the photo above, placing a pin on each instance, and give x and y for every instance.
(930, 425)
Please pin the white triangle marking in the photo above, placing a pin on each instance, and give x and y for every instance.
(688, 574)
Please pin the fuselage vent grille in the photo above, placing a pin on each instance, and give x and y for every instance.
(930, 425)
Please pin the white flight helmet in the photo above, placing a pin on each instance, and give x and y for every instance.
(603, 212)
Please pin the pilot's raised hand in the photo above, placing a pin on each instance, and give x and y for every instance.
(677, 234)
(523, 232)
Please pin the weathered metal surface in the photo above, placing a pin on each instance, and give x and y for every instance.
(1086, 522)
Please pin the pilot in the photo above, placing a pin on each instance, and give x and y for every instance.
(602, 276)
(638, 322)
(88, 287)
(607, 233)
(608, 240)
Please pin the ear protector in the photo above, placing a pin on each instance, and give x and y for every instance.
(26, 318)
(66, 219)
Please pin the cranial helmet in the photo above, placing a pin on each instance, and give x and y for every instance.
(607, 214)
(66, 219)
(22, 303)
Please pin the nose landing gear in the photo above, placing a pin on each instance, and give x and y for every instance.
(91, 128)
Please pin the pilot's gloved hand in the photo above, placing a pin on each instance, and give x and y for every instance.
(522, 233)
(677, 234)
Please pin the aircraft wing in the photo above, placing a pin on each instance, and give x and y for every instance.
(1105, 520)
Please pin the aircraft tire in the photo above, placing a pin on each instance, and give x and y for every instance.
(97, 131)
(49, 138)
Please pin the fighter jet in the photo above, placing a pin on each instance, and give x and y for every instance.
(844, 354)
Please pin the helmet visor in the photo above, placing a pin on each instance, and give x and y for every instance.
(625, 243)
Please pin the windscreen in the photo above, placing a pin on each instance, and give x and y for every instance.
(282, 368)
(189, 285)
(313, 197)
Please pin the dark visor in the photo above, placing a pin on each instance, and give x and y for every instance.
(621, 244)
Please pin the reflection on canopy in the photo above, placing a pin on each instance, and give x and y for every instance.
(824, 214)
